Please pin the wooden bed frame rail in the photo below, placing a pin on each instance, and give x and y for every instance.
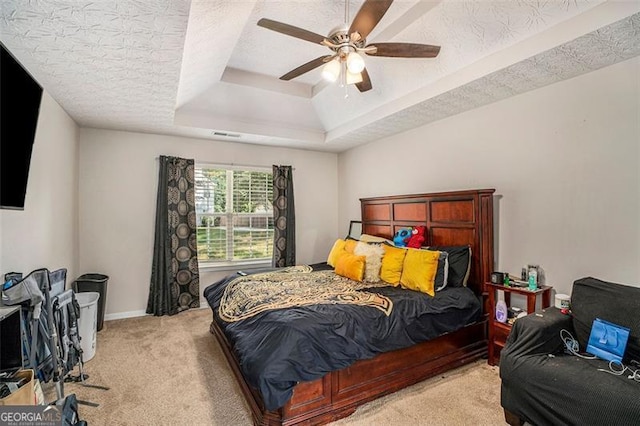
(452, 219)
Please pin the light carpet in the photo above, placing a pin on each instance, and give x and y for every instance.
(171, 370)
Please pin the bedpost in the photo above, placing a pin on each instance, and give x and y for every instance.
(486, 239)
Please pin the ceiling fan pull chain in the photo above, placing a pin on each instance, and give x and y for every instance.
(343, 79)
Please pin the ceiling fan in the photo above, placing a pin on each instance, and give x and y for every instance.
(347, 42)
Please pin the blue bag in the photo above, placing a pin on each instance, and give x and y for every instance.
(607, 340)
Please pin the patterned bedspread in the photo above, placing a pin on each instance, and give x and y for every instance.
(294, 286)
(297, 324)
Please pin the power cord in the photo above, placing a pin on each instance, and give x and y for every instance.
(617, 368)
(571, 344)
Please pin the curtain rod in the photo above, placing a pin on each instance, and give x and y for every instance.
(213, 163)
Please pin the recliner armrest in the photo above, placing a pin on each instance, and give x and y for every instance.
(537, 333)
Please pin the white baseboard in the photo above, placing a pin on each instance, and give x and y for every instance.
(121, 315)
(134, 314)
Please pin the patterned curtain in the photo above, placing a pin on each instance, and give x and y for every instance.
(284, 218)
(175, 280)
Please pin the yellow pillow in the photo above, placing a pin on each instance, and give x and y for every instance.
(350, 266)
(336, 251)
(419, 270)
(350, 245)
(392, 261)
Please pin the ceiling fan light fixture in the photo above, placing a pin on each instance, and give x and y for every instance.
(355, 63)
(331, 70)
(354, 77)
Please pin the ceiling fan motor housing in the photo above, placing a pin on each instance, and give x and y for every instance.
(342, 43)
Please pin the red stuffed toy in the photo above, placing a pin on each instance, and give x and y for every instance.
(417, 237)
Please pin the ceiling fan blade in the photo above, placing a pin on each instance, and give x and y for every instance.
(368, 16)
(365, 84)
(305, 67)
(404, 50)
(290, 30)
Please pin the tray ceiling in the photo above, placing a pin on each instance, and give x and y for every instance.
(203, 68)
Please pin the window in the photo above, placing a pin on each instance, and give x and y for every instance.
(234, 215)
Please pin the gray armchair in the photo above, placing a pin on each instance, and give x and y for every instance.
(543, 384)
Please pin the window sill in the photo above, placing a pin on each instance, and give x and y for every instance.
(233, 266)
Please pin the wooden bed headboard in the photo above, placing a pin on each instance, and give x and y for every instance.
(451, 218)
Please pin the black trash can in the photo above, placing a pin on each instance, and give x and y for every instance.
(96, 283)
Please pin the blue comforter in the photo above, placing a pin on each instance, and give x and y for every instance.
(278, 348)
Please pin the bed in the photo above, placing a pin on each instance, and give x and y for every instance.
(326, 389)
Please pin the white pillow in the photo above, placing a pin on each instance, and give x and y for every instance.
(373, 254)
(373, 239)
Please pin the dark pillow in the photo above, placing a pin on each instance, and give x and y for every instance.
(459, 264)
(442, 274)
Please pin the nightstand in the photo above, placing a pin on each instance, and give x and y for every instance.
(498, 331)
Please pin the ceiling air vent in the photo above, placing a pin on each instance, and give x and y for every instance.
(225, 134)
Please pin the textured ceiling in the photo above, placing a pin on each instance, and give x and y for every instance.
(197, 67)
(108, 63)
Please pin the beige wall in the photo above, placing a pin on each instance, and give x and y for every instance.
(564, 161)
(44, 234)
(118, 181)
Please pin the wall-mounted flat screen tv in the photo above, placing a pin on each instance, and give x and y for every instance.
(19, 107)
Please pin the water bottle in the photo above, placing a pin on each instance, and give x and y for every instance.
(533, 278)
